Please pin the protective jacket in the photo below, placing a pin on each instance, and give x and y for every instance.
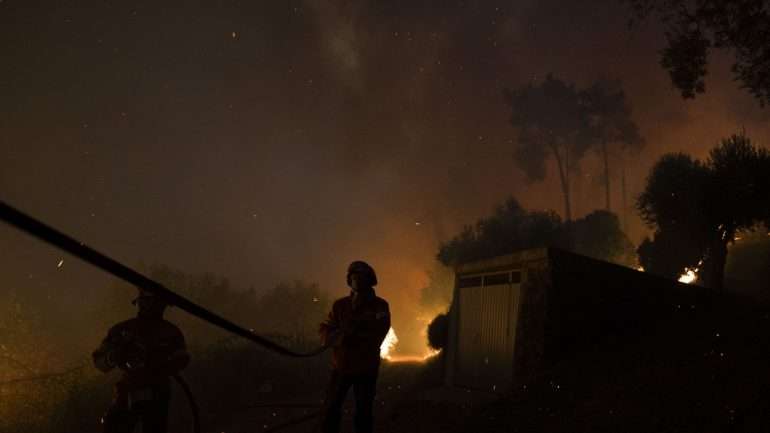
(363, 319)
(148, 350)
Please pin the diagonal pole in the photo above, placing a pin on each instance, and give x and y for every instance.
(78, 249)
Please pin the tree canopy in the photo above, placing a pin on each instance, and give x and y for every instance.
(512, 228)
(293, 309)
(287, 309)
(694, 29)
(554, 119)
(697, 208)
(610, 127)
(549, 120)
(609, 115)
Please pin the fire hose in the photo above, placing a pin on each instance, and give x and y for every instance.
(78, 249)
(196, 422)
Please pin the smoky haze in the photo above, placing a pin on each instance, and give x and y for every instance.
(272, 141)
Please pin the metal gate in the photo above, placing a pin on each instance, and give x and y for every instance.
(488, 311)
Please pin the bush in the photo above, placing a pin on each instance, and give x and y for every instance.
(438, 332)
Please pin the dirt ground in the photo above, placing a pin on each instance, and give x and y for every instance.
(701, 370)
(409, 398)
(697, 372)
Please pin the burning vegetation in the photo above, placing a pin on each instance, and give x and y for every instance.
(388, 347)
(389, 344)
(699, 208)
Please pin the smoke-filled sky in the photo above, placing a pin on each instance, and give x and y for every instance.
(279, 140)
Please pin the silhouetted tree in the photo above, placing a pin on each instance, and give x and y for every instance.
(512, 228)
(206, 289)
(509, 229)
(697, 209)
(549, 120)
(740, 198)
(438, 332)
(610, 127)
(672, 203)
(600, 236)
(668, 253)
(694, 29)
(289, 309)
(293, 309)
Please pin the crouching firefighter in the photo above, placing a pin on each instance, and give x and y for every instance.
(355, 329)
(148, 350)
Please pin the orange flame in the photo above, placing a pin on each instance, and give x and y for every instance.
(689, 276)
(387, 346)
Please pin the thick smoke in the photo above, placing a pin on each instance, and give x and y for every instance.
(269, 141)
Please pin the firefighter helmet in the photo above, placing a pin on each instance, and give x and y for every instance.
(146, 295)
(363, 268)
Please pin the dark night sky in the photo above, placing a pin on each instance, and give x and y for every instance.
(274, 140)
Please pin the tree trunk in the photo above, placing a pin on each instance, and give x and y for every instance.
(563, 166)
(564, 179)
(714, 265)
(606, 159)
(720, 260)
(624, 211)
(567, 183)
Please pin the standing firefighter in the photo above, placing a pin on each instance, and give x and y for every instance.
(148, 350)
(355, 328)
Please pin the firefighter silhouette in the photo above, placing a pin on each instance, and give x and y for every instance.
(149, 350)
(355, 328)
